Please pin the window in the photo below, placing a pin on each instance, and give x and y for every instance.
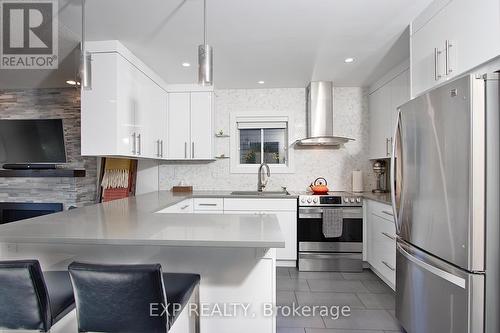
(261, 139)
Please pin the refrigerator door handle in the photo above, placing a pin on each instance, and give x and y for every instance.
(396, 183)
(456, 280)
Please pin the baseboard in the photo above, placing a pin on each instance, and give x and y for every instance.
(286, 263)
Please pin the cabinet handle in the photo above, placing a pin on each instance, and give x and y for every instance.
(207, 204)
(448, 44)
(161, 148)
(437, 76)
(388, 266)
(192, 149)
(133, 143)
(139, 144)
(184, 207)
(387, 235)
(185, 150)
(387, 151)
(157, 148)
(388, 213)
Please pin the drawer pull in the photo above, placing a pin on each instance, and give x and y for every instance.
(388, 266)
(387, 235)
(388, 213)
(208, 204)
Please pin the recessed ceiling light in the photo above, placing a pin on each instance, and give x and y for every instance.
(71, 82)
(186, 64)
(348, 60)
(260, 82)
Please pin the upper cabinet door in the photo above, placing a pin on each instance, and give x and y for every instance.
(127, 101)
(179, 141)
(379, 118)
(201, 125)
(458, 37)
(400, 94)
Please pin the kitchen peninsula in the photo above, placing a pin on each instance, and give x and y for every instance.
(234, 253)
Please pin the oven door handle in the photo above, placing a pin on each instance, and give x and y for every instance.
(317, 213)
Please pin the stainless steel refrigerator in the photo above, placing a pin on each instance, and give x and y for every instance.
(445, 188)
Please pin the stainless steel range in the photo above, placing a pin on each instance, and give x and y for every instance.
(320, 253)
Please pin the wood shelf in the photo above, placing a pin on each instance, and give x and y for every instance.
(71, 173)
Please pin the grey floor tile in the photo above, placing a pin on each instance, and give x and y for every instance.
(332, 330)
(378, 301)
(329, 299)
(292, 284)
(295, 274)
(285, 298)
(377, 286)
(365, 275)
(303, 322)
(282, 272)
(340, 286)
(290, 330)
(364, 320)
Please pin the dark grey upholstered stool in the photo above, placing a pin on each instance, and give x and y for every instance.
(30, 299)
(119, 298)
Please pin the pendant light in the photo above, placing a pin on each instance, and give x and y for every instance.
(205, 55)
(85, 58)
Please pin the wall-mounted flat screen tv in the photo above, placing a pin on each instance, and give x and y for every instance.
(32, 141)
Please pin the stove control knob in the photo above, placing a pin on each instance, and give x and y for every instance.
(346, 199)
(358, 200)
(309, 200)
(315, 200)
(303, 200)
(352, 200)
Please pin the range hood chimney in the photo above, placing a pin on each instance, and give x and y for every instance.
(319, 117)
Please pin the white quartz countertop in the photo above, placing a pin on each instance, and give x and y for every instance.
(134, 221)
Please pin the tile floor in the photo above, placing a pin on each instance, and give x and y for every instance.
(371, 302)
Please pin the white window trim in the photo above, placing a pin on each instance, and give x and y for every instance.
(260, 116)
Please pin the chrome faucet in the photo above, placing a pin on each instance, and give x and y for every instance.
(263, 178)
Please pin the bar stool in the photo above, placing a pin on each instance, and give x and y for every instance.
(120, 298)
(30, 299)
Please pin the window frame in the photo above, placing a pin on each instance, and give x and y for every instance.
(260, 117)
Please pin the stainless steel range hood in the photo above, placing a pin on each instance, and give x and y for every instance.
(319, 117)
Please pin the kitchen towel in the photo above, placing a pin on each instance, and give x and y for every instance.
(357, 181)
(332, 222)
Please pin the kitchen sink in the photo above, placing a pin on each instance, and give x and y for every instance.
(263, 193)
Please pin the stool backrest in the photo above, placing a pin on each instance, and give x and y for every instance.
(24, 300)
(119, 298)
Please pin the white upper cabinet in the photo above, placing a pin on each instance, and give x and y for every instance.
(202, 132)
(178, 125)
(128, 112)
(383, 105)
(125, 111)
(452, 37)
(190, 130)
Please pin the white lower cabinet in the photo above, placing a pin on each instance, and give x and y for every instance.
(381, 238)
(285, 211)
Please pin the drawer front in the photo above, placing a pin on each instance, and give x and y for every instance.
(382, 210)
(208, 204)
(185, 206)
(260, 204)
(383, 256)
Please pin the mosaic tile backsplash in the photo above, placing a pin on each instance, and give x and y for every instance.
(351, 120)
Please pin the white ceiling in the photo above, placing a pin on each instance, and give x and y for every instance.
(286, 43)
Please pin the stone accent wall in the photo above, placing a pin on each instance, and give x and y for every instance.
(61, 103)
